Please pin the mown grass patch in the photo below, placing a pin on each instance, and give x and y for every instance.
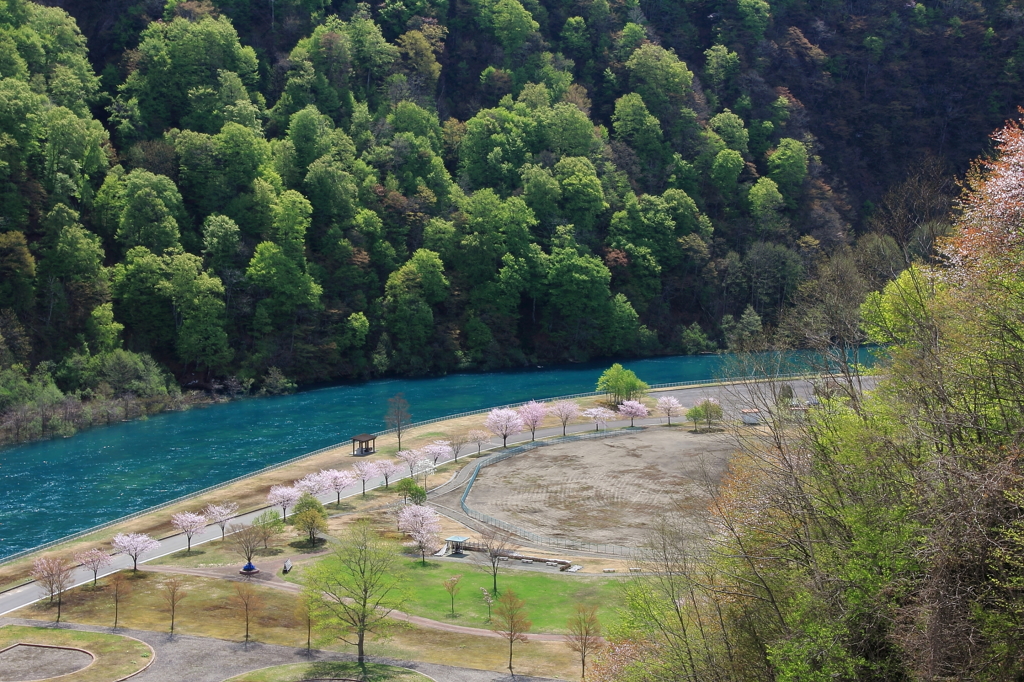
(116, 656)
(296, 672)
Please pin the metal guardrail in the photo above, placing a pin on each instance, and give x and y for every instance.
(561, 543)
(293, 460)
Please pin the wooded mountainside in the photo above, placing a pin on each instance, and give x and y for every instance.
(289, 191)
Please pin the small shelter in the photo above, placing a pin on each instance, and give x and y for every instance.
(751, 416)
(454, 544)
(364, 444)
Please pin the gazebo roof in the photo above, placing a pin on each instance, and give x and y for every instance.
(456, 538)
(363, 437)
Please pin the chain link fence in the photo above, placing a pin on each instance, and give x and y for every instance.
(561, 543)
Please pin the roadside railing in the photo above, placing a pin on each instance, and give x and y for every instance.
(561, 543)
(413, 425)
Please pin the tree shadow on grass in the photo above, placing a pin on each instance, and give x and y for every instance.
(334, 670)
(272, 551)
(304, 546)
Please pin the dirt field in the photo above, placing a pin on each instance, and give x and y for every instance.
(607, 490)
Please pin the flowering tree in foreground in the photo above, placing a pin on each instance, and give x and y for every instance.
(221, 514)
(313, 483)
(365, 471)
(95, 560)
(134, 545)
(337, 480)
(189, 524)
(669, 407)
(478, 438)
(598, 415)
(389, 469)
(634, 409)
(423, 525)
(437, 452)
(504, 422)
(532, 414)
(55, 575)
(410, 457)
(566, 411)
(284, 496)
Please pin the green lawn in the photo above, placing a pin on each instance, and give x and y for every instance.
(295, 672)
(550, 597)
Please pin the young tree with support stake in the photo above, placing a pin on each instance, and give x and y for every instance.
(120, 589)
(512, 623)
(397, 417)
(451, 586)
(248, 601)
(495, 543)
(353, 595)
(173, 591)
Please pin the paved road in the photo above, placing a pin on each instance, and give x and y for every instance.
(733, 398)
(204, 659)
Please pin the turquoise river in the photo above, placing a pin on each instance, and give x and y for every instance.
(55, 488)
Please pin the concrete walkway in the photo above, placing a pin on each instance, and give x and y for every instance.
(181, 658)
(731, 398)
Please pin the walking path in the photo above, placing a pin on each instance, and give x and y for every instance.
(277, 583)
(729, 396)
(205, 659)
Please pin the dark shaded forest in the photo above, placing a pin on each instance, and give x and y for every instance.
(240, 195)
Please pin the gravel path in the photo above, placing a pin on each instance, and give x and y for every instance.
(24, 662)
(203, 659)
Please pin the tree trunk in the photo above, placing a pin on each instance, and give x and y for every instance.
(359, 647)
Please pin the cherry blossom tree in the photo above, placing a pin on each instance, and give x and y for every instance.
(410, 457)
(504, 422)
(566, 411)
(337, 480)
(189, 524)
(423, 525)
(598, 415)
(284, 496)
(221, 514)
(456, 441)
(95, 560)
(389, 469)
(437, 452)
(55, 575)
(365, 471)
(532, 414)
(134, 545)
(669, 407)
(312, 483)
(478, 438)
(634, 409)
(424, 466)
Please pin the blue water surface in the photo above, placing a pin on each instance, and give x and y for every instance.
(55, 488)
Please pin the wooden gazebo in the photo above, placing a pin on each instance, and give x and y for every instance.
(364, 444)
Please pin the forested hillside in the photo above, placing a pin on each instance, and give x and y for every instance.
(231, 195)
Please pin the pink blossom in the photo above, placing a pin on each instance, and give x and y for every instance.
(365, 471)
(504, 422)
(389, 469)
(410, 457)
(95, 560)
(598, 415)
(220, 514)
(437, 452)
(479, 437)
(189, 524)
(313, 483)
(423, 524)
(337, 480)
(532, 414)
(134, 545)
(284, 496)
(669, 407)
(566, 411)
(634, 409)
